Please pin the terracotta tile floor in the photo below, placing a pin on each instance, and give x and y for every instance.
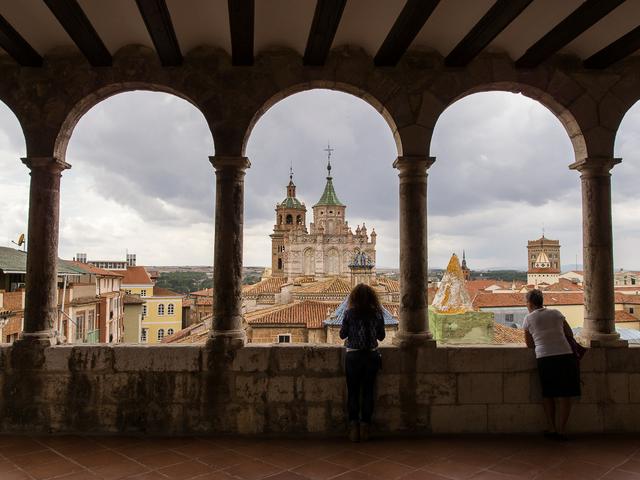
(228, 458)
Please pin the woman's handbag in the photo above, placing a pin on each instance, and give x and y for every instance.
(577, 349)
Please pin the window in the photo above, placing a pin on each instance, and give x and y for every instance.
(91, 320)
(284, 338)
(127, 291)
(144, 310)
(330, 212)
(170, 309)
(170, 331)
(160, 334)
(631, 310)
(143, 335)
(508, 317)
(80, 326)
(161, 309)
(143, 293)
(289, 219)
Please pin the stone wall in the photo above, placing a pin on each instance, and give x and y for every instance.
(261, 389)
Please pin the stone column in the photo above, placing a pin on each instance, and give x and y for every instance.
(414, 324)
(41, 299)
(597, 237)
(227, 255)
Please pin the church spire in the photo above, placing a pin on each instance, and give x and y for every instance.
(291, 188)
(329, 196)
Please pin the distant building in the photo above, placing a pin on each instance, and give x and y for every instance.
(543, 261)
(626, 278)
(466, 272)
(130, 261)
(161, 310)
(327, 248)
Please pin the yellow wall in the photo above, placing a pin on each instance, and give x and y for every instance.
(153, 321)
(132, 317)
(575, 313)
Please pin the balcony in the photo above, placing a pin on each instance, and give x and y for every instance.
(300, 389)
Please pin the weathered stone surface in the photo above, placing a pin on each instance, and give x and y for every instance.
(586, 417)
(252, 358)
(622, 418)
(529, 417)
(435, 388)
(459, 418)
(325, 389)
(517, 387)
(472, 359)
(634, 387)
(618, 387)
(280, 389)
(480, 388)
(136, 358)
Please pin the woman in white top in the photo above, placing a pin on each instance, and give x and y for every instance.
(547, 331)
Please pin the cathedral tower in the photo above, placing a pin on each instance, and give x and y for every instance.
(290, 215)
(329, 212)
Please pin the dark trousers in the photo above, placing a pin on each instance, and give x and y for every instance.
(361, 367)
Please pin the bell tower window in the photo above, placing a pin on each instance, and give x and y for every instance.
(289, 219)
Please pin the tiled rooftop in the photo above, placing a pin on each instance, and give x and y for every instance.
(243, 458)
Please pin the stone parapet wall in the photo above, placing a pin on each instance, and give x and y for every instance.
(298, 389)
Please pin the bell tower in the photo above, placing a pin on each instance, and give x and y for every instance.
(290, 216)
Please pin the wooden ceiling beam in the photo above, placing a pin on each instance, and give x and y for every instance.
(241, 23)
(16, 46)
(323, 30)
(499, 16)
(158, 21)
(77, 25)
(405, 29)
(580, 20)
(616, 51)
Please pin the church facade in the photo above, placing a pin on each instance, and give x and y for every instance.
(327, 248)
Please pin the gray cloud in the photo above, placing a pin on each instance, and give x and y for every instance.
(141, 178)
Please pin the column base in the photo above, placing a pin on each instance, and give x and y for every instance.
(44, 339)
(227, 339)
(607, 340)
(414, 340)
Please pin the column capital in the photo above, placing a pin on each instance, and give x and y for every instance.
(413, 164)
(595, 166)
(52, 164)
(221, 162)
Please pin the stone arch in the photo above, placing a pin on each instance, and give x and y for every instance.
(15, 113)
(90, 100)
(569, 121)
(321, 84)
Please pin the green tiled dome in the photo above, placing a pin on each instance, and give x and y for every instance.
(329, 196)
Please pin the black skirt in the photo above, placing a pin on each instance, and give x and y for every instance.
(559, 375)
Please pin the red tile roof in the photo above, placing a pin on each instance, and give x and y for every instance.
(307, 313)
(268, 285)
(136, 276)
(563, 285)
(391, 286)
(207, 292)
(93, 270)
(623, 298)
(486, 300)
(503, 334)
(332, 286)
(623, 316)
(164, 292)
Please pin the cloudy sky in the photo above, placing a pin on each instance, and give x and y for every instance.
(141, 180)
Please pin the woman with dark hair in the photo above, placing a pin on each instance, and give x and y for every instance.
(547, 331)
(362, 327)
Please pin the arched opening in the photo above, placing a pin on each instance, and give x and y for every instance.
(500, 181)
(294, 133)
(138, 201)
(625, 198)
(14, 198)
